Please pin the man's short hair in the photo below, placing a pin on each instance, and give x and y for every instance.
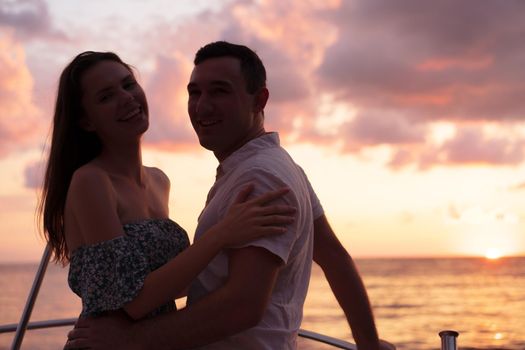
(252, 67)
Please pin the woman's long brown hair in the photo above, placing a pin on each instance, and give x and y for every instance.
(71, 147)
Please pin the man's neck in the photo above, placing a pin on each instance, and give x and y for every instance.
(249, 137)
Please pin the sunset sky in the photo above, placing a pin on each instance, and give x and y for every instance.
(407, 116)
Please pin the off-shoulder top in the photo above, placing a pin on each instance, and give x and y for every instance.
(109, 274)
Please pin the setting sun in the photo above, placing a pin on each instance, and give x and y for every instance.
(493, 254)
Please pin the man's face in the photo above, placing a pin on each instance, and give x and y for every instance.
(221, 110)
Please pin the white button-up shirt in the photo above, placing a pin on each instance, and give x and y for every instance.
(266, 164)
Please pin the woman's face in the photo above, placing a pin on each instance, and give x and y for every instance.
(114, 104)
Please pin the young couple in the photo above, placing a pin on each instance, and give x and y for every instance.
(247, 273)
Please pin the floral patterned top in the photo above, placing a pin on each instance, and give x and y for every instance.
(109, 274)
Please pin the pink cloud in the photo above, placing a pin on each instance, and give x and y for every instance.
(30, 19)
(376, 129)
(467, 63)
(34, 174)
(170, 127)
(416, 61)
(20, 122)
(280, 47)
(401, 158)
(433, 60)
(472, 146)
(400, 66)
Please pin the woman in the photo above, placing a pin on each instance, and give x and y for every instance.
(107, 214)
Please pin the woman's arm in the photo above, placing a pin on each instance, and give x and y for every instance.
(93, 203)
(244, 222)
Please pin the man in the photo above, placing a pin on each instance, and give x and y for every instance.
(251, 297)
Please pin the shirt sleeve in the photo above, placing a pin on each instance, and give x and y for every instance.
(317, 208)
(265, 181)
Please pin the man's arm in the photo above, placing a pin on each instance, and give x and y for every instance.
(238, 305)
(346, 284)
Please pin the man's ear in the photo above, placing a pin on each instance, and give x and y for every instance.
(86, 124)
(261, 97)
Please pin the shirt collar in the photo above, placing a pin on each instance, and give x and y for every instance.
(267, 140)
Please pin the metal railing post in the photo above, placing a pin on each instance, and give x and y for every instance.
(31, 298)
(449, 340)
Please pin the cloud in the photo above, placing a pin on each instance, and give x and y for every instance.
(468, 146)
(34, 174)
(424, 63)
(268, 33)
(167, 98)
(403, 67)
(376, 129)
(20, 118)
(30, 19)
(472, 146)
(398, 69)
(433, 60)
(291, 54)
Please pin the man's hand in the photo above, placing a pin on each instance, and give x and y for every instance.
(108, 332)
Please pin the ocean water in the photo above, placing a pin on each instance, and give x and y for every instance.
(413, 299)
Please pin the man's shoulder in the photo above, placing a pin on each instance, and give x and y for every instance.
(272, 168)
(267, 163)
(268, 158)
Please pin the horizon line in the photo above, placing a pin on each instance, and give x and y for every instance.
(361, 257)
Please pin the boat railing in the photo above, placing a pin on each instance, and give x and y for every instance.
(31, 298)
(321, 338)
(448, 338)
(24, 324)
(62, 322)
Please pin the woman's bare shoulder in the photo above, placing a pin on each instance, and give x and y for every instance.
(90, 179)
(90, 172)
(158, 177)
(91, 214)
